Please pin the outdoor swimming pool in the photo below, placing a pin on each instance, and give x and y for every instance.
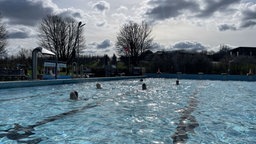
(193, 112)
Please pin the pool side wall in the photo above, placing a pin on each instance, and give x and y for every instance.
(16, 84)
(31, 83)
(205, 77)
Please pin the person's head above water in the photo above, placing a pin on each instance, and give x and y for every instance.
(73, 95)
(98, 86)
(144, 86)
(177, 82)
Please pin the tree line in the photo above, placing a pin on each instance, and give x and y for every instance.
(134, 45)
(165, 61)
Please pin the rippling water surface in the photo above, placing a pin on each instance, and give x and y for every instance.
(192, 112)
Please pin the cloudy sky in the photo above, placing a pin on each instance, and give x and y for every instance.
(177, 24)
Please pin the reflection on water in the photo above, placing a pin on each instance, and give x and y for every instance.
(192, 112)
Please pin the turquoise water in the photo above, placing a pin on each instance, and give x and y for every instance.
(193, 112)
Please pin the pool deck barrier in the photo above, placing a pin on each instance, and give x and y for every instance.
(221, 77)
(30, 83)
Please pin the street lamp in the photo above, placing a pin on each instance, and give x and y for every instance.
(78, 32)
(80, 24)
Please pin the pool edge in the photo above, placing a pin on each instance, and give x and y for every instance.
(32, 83)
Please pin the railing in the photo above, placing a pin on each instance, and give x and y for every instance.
(12, 74)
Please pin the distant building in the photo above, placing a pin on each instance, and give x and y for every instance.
(243, 51)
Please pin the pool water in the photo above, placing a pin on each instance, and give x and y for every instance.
(193, 112)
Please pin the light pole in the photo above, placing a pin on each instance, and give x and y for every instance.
(78, 44)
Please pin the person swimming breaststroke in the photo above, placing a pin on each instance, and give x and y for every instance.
(73, 95)
(144, 86)
(98, 86)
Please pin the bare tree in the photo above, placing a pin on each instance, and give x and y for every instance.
(3, 38)
(133, 39)
(64, 36)
(24, 53)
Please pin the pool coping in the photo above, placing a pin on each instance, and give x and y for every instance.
(219, 77)
(32, 83)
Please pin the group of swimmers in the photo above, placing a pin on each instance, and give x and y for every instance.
(144, 86)
(74, 94)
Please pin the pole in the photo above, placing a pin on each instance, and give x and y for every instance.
(77, 70)
(56, 67)
(78, 44)
(34, 64)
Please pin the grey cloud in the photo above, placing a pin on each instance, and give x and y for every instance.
(101, 6)
(247, 19)
(70, 14)
(164, 9)
(105, 44)
(225, 27)
(247, 24)
(157, 47)
(24, 12)
(101, 24)
(96, 48)
(92, 44)
(19, 32)
(18, 35)
(213, 6)
(30, 12)
(248, 16)
(187, 45)
(122, 8)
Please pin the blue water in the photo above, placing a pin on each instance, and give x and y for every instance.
(193, 112)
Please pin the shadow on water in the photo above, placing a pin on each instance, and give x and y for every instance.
(24, 97)
(18, 98)
(187, 122)
(19, 132)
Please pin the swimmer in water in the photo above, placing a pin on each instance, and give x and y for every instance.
(177, 82)
(144, 87)
(98, 86)
(73, 95)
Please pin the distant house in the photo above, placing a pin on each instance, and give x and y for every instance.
(243, 51)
